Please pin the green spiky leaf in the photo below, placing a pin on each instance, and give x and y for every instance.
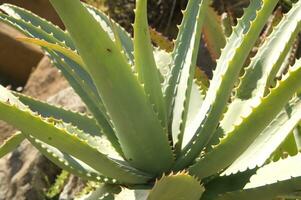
(150, 117)
(244, 133)
(11, 143)
(78, 78)
(279, 179)
(125, 107)
(269, 139)
(260, 74)
(184, 56)
(145, 64)
(84, 122)
(45, 130)
(176, 187)
(228, 67)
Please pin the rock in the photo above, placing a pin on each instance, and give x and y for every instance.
(69, 99)
(16, 59)
(45, 81)
(25, 174)
(5, 131)
(74, 186)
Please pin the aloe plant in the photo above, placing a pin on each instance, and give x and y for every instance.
(152, 131)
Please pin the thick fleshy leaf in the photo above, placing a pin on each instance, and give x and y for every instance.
(261, 72)
(196, 100)
(243, 134)
(274, 180)
(64, 37)
(163, 60)
(232, 59)
(82, 121)
(184, 57)
(115, 31)
(297, 135)
(45, 130)
(138, 194)
(222, 184)
(95, 106)
(76, 75)
(37, 32)
(269, 139)
(287, 148)
(176, 187)
(145, 64)
(126, 107)
(55, 47)
(11, 143)
(69, 163)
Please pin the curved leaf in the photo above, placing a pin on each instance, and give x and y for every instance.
(279, 179)
(78, 78)
(11, 143)
(126, 107)
(242, 135)
(145, 64)
(176, 187)
(96, 107)
(261, 72)
(83, 122)
(180, 79)
(55, 47)
(18, 115)
(269, 139)
(69, 163)
(114, 30)
(228, 67)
